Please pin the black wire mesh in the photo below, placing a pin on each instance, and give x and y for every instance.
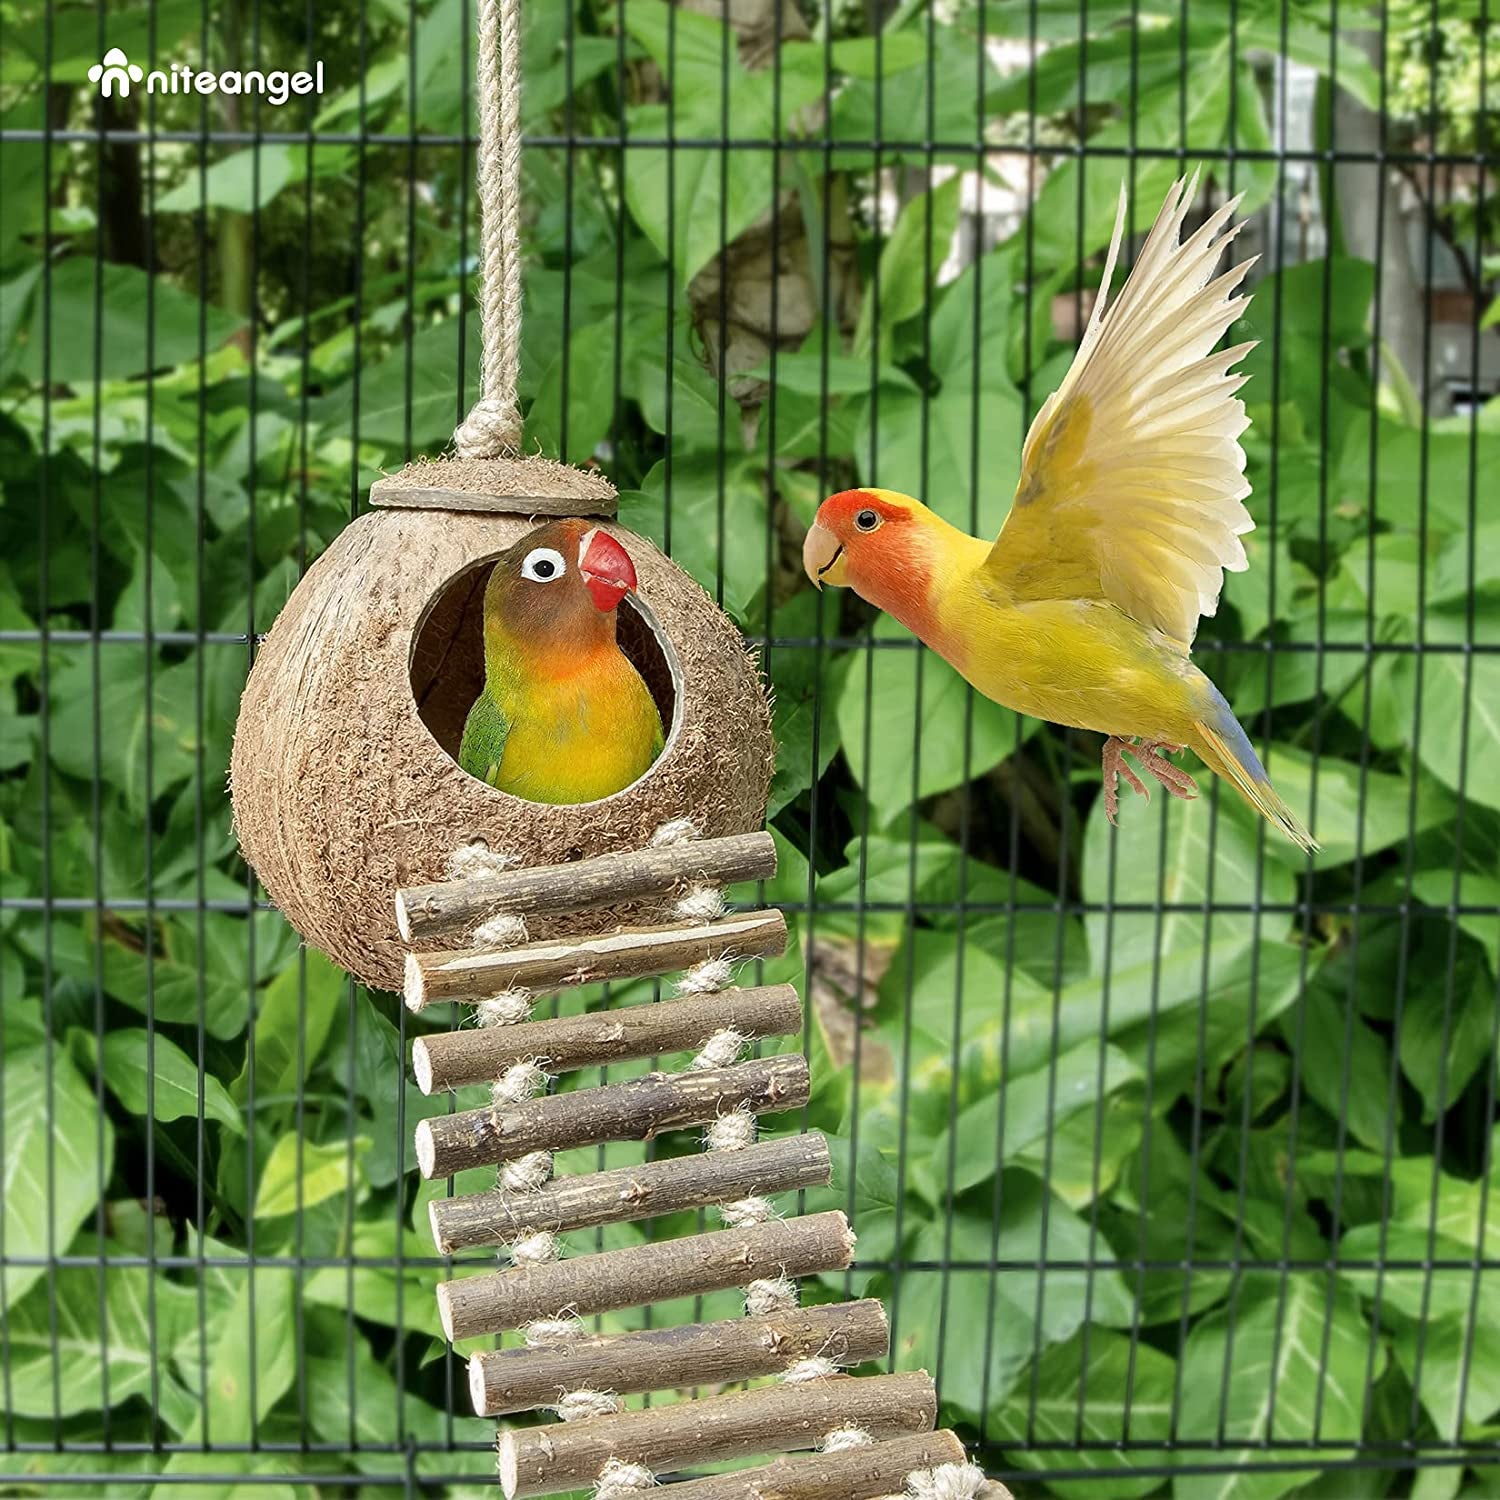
(1225, 1226)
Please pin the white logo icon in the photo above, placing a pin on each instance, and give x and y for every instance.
(115, 73)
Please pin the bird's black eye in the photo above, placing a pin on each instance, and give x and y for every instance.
(867, 520)
(543, 564)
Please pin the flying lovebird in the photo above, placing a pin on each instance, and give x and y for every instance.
(1128, 510)
(563, 715)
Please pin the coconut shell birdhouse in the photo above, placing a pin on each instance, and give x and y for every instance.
(345, 777)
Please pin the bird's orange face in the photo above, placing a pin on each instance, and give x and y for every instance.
(560, 585)
(872, 541)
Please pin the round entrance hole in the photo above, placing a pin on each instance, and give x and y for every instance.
(447, 660)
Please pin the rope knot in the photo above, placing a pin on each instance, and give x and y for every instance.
(841, 1439)
(773, 1294)
(576, 1405)
(719, 1051)
(527, 1173)
(504, 1009)
(491, 430)
(622, 1481)
(946, 1482)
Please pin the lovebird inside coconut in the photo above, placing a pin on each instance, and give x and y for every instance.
(563, 713)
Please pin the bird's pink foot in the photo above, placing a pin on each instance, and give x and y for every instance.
(1116, 766)
(1153, 759)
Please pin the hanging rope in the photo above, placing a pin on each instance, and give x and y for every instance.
(493, 427)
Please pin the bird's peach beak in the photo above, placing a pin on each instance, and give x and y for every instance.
(608, 573)
(823, 557)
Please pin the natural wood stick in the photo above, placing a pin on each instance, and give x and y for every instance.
(678, 1358)
(769, 1419)
(451, 908)
(632, 1111)
(631, 953)
(452, 1059)
(851, 1474)
(628, 1193)
(639, 1274)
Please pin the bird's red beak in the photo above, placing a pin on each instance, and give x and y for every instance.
(608, 572)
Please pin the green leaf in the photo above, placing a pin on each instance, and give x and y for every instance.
(1062, 233)
(1082, 1157)
(1345, 1065)
(982, 1328)
(381, 1293)
(703, 542)
(890, 703)
(246, 181)
(935, 81)
(184, 719)
(1199, 860)
(356, 1395)
(1098, 1388)
(255, 1468)
(23, 166)
(185, 977)
(1033, 1103)
(128, 344)
(590, 370)
(1457, 1360)
(806, 682)
(1285, 1364)
(1459, 705)
(958, 449)
(693, 203)
(297, 1010)
(1447, 1028)
(97, 1365)
(413, 398)
(57, 1154)
(132, 1056)
(914, 251)
(1355, 812)
(299, 1174)
(256, 1345)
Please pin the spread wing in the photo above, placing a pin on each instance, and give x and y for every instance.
(1132, 473)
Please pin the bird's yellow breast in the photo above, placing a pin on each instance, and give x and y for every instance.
(581, 737)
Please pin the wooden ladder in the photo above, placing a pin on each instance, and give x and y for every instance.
(876, 1432)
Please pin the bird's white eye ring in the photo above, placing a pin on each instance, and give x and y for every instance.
(543, 565)
(867, 520)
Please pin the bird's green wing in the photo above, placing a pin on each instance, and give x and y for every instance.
(483, 745)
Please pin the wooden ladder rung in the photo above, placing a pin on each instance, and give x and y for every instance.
(629, 1193)
(454, 1059)
(677, 1358)
(631, 953)
(632, 1111)
(452, 908)
(736, 1424)
(850, 1474)
(638, 1274)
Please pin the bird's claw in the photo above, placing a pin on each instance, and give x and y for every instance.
(1116, 766)
(1152, 756)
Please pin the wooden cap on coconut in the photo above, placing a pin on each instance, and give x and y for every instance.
(534, 486)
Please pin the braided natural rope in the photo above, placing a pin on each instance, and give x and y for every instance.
(493, 426)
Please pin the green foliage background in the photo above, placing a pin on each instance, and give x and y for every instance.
(1148, 1135)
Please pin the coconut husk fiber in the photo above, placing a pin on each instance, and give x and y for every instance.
(343, 789)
